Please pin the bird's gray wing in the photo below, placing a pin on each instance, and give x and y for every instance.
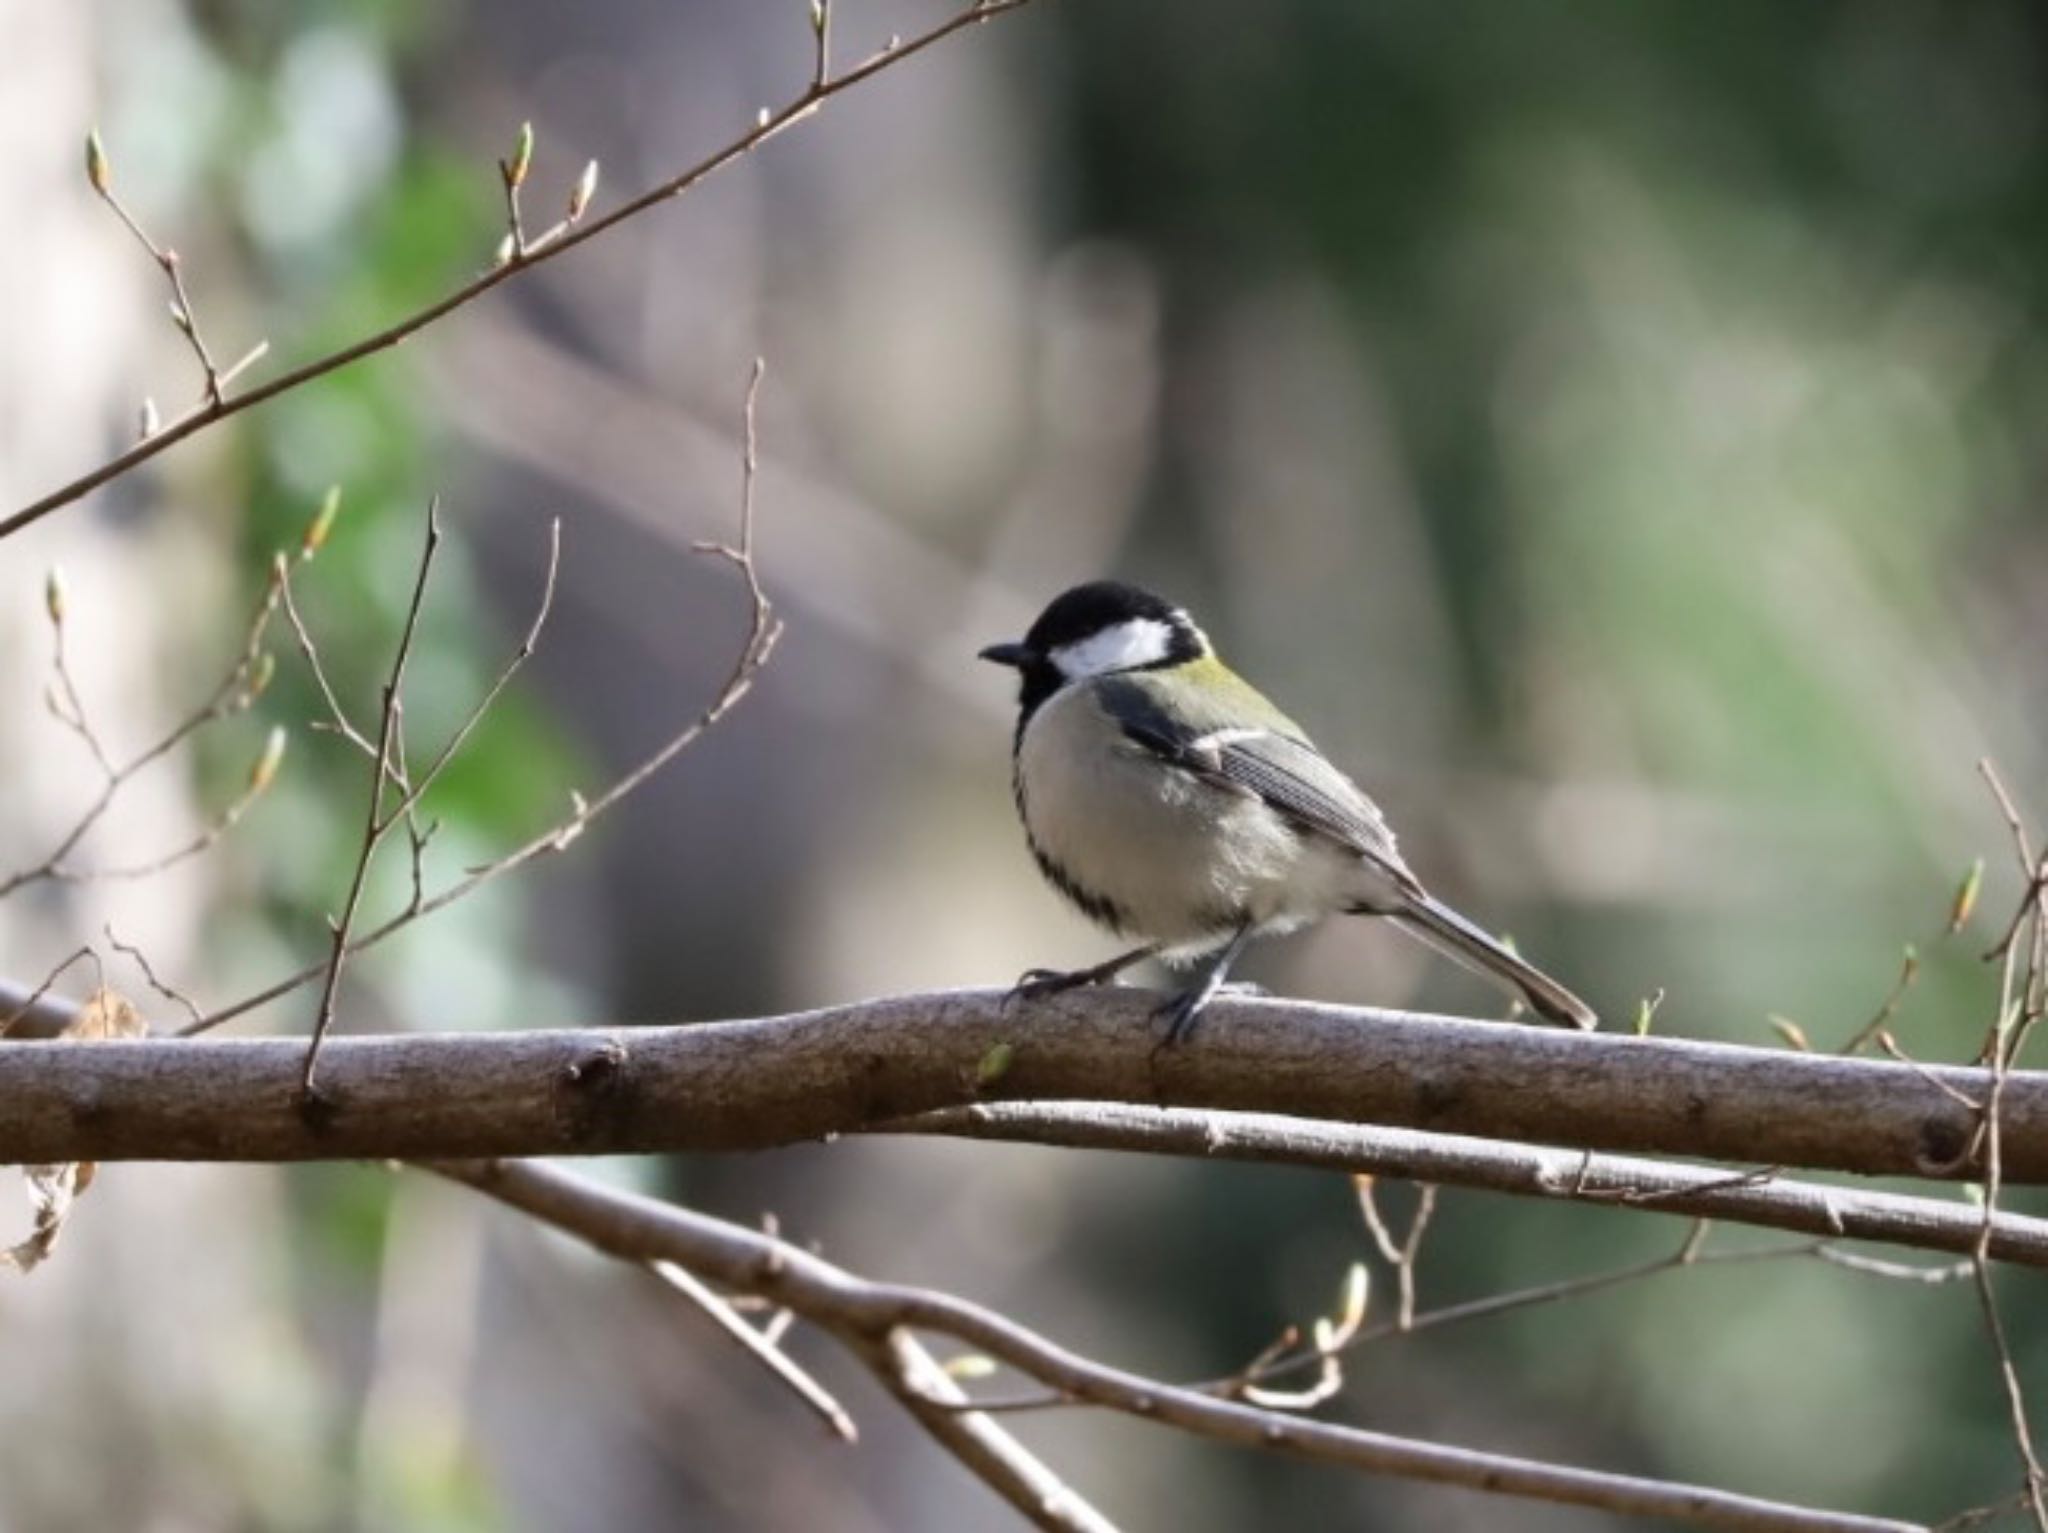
(1276, 766)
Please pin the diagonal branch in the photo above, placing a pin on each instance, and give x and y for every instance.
(866, 1313)
(987, 1449)
(771, 125)
(760, 1347)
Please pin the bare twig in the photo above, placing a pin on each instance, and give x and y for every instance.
(1774, 1202)
(339, 723)
(412, 790)
(984, 1448)
(1901, 1272)
(1398, 1254)
(1988, 770)
(374, 823)
(772, 126)
(866, 1313)
(182, 314)
(764, 629)
(245, 680)
(262, 773)
(140, 959)
(2016, 1015)
(1977, 1516)
(337, 715)
(760, 1346)
(1909, 971)
(1278, 1361)
(1331, 1337)
(36, 1003)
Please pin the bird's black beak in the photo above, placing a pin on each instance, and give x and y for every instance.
(1016, 656)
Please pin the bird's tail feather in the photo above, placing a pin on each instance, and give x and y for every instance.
(1457, 938)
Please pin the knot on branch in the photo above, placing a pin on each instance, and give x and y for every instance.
(591, 1087)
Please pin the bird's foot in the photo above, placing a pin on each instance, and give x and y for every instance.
(1184, 1010)
(1181, 1013)
(1039, 984)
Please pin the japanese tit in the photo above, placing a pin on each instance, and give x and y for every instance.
(1170, 801)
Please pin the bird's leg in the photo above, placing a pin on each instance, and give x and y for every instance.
(1184, 1008)
(1037, 984)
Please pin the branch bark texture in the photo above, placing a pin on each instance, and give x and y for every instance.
(754, 1084)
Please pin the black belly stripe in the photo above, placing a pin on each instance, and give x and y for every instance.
(1099, 908)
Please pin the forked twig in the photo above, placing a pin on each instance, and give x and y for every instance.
(2019, 1007)
(764, 629)
(247, 677)
(759, 1345)
(1398, 1254)
(374, 823)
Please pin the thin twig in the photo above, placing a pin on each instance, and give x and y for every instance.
(339, 723)
(34, 998)
(182, 313)
(1977, 1516)
(773, 126)
(412, 794)
(1909, 971)
(140, 959)
(1331, 1336)
(373, 821)
(1399, 1255)
(237, 690)
(760, 1347)
(985, 1449)
(2015, 1016)
(1988, 770)
(1773, 1202)
(764, 629)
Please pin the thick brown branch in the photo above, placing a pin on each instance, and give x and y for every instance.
(733, 1085)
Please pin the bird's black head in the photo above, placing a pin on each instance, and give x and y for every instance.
(1093, 630)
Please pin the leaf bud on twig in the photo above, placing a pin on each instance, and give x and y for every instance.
(264, 772)
(584, 190)
(522, 158)
(97, 170)
(315, 537)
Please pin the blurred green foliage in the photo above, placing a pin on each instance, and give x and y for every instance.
(1708, 336)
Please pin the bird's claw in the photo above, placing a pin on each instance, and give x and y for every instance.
(1038, 984)
(1181, 1013)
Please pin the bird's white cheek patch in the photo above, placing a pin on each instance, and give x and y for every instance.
(1135, 642)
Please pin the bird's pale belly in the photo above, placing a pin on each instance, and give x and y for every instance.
(1159, 854)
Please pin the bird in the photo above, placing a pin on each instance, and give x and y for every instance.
(1168, 800)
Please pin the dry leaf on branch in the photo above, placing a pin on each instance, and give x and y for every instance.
(53, 1189)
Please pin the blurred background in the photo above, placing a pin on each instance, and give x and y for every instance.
(1611, 426)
